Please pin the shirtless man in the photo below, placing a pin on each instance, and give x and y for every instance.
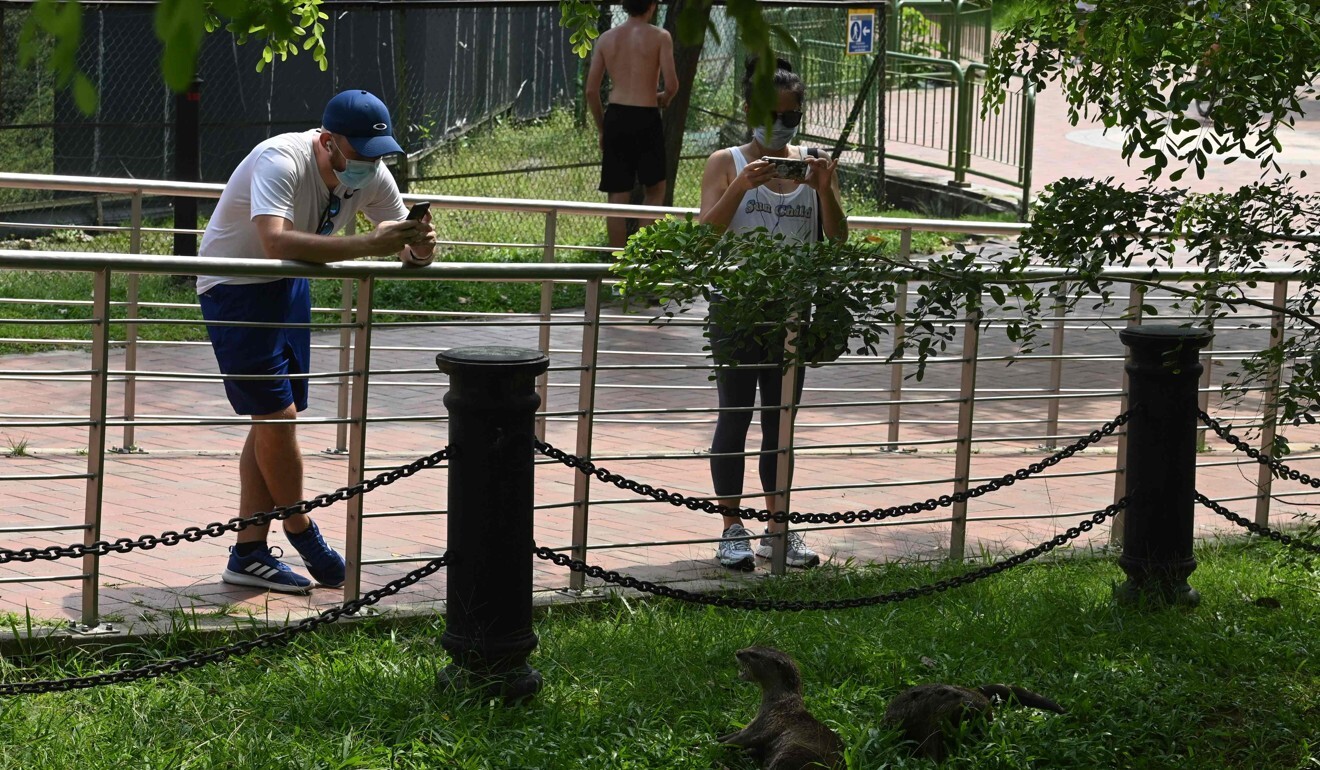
(632, 139)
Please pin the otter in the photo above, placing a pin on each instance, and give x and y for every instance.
(930, 714)
(784, 735)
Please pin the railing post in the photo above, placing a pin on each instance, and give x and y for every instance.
(782, 496)
(896, 366)
(547, 307)
(1056, 370)
(585, 426)
(343, 388)
(187, 165)
(962, 463)
(962, 154)
(1163, 370)
(1026, 149)
(1270, 409)
(91, 564)
(955, 32)
(357, 438)
(1136, 299)
(130, 329)
(492, 403)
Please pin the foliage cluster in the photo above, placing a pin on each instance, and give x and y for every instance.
(1140, 65)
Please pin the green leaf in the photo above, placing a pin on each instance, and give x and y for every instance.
(180, 25)
(84, 94)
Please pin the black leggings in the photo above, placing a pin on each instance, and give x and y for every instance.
(737, 388)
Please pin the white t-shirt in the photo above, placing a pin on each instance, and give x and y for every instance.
(280, 177)
(792, 213)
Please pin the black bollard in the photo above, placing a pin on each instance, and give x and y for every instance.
(492, 403)
(1164, 370)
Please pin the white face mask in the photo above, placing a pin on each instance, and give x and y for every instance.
(357, 173)
(780, 136)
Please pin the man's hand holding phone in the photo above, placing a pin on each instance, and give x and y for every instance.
(421, 250)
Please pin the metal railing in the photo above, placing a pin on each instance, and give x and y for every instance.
(612, 372)
(960, 30)
(932, 106)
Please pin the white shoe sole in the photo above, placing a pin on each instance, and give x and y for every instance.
(765, 552)
(241, 579)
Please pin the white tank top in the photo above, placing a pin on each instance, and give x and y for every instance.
(793, 213)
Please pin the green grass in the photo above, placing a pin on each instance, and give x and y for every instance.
(553, 141)
(649, 684)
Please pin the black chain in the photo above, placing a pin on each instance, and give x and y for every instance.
(1258, 529)
(216, 529)
(1280, 470)
(766, 605)
(847, 517)
(269, 640)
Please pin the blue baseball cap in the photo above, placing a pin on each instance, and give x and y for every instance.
(364, 119)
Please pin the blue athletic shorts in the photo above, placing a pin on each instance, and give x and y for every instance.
(261, 350)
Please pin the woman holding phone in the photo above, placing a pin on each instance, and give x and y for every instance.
(745, 188)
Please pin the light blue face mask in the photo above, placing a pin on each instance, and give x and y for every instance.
(780, 136)
(357, 174)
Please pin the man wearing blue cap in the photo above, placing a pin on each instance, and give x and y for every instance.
(286, 200)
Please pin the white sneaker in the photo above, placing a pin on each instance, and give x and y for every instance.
(798, 555)
(735, 551)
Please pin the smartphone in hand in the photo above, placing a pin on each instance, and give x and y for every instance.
(788, 168)
(418, 211)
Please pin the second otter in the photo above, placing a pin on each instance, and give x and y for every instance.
(929, 714)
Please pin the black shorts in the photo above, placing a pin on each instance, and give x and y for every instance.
(633, 148)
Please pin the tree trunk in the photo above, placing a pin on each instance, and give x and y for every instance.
(686, 57)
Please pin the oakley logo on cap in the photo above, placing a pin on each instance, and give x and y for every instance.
(363, 119)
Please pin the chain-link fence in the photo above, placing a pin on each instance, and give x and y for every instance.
(488, 98)
(443, 71)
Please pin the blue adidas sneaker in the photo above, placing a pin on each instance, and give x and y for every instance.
(325, 565)
(263, 569)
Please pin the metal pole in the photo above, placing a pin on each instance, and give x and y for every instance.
(784, 455)
(343, 389)
(1270, 409)
(585, 427)
(91, 598)
(1028, 149)
(357, 438)
(962, 130)
(962, 463)
(1163, 369)
(1056, 370)
(187, 165)
(1136, 297)
(130, 330)
(881, 92)
(896, 368)
(492, 405)
(547, 305)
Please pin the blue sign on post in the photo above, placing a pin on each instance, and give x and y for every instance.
(861, 32)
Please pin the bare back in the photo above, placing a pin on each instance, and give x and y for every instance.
(633, 53)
